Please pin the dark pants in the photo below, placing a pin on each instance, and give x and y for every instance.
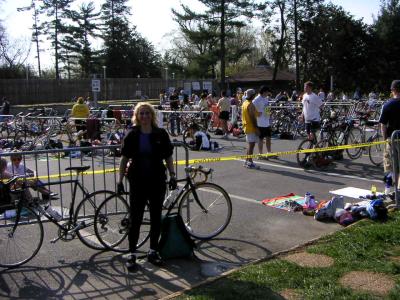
(140, 193)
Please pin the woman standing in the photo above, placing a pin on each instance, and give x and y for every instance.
(146, 146)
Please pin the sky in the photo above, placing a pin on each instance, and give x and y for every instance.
(153, 18)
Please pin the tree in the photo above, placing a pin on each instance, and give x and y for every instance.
(209, 31)
(37, 30)
(387, 33)
(77, 40)
(58, 11)
(126, 53)
(332, 37)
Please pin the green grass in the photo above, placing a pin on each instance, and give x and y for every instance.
(366, 246)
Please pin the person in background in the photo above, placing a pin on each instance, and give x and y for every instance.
(261, 104)
(330, 97)
(17, 167)
(175, 119)
(249, 120)
(294, 96)
(224, 105)
(5, 106)
(203, 105)
(201, 140)
(390, 121)
(311, 110)
(321, 94)
(146, 146)
(80, 110)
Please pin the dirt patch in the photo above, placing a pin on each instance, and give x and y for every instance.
(376, 283)
(395, 259)
(290, 294)
(310, 260)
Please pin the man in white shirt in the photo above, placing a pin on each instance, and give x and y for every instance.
(261, 103)
(311, 110)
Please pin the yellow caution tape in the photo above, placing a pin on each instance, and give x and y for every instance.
(228, 158)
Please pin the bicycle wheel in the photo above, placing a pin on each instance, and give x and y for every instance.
(20, 242)
(375, 152)
(112, 223)
(355, 136)
(304, 159)
(210, 220)
(187, 138)
(85, 215)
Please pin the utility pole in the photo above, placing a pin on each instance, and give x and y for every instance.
(222, 37)
(296, 45)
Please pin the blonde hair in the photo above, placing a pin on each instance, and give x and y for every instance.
(138, 107)
(80, 100)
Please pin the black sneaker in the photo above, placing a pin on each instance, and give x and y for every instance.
(155, 259)
(131, 264)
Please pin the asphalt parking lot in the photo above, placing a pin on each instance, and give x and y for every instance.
(69, 270)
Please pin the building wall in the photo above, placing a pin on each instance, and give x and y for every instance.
(34, 91)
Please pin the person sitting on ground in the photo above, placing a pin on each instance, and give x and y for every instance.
(17, 167)
(80, 110)
(201, 140)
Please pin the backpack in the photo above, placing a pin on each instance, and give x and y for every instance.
(175, 241)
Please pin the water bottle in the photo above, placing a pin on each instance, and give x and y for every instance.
(387, 188)
(373, 189)
(171, 197)
(307, 197)
(52, 212)
(311, 203)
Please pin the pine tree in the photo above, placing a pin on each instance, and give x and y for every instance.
(36, 30)
(209, 31)
(79, 55)
(57, 11)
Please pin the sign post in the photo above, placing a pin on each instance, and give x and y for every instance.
(95, 89)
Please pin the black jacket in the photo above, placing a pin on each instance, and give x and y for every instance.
(161, 150)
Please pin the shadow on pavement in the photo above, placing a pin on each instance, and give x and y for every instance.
(105, 275)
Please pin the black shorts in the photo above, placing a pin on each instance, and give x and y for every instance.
(313, 126)
(264, 132)
(224, 115)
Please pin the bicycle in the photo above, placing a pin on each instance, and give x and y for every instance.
(205, 207)
(22, 234)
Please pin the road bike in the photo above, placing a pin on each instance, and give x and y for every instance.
(205, 207)
(21, 224)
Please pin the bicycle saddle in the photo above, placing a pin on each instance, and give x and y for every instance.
(78, 168)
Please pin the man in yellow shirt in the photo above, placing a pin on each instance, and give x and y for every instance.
(249, 121)
(80, 110)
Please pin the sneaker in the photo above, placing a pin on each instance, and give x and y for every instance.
(154, 258)
(131, 264)
(251, 166)
(274, 156)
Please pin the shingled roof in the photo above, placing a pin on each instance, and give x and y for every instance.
(261, 73)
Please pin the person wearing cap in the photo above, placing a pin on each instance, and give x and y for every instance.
(224, 105)
(311, 110)
(390, 122)
(261, 104)
(249, 120)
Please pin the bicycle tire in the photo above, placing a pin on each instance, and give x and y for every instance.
(205, 225)
(375, 152)
(24, 243)
(187, 138)
(355, 136)
(112, 226)
(85, 212)
(303, 159)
